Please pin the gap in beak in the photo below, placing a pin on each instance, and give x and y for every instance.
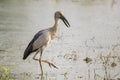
(65, 21)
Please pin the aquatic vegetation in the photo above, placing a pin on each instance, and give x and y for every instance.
(108, 63)
(104, 66)
(65, 75)
(72, 56)
(2, 50)
(113, 64)
(4, 73)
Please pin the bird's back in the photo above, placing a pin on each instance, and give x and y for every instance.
(29, 48)
(41, 39)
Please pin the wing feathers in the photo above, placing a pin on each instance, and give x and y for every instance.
(29, 48)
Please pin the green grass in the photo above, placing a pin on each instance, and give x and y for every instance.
(4, 73)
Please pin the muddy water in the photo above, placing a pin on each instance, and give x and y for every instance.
(94, 31)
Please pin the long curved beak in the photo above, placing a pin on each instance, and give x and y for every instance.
(65, 21)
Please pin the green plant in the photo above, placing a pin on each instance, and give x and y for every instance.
(4, 73)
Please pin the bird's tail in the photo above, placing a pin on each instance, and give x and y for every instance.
(27, 52)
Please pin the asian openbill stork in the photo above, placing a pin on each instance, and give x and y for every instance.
(43, 38)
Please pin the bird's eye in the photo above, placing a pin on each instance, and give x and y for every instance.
(60, 17)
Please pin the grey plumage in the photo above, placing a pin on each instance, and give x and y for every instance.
(29, 48)
(44, 37)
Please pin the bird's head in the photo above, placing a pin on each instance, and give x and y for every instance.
(59, 15)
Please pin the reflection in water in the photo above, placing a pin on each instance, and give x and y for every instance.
(94, 33)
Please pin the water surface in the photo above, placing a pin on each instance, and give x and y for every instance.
(94, 31)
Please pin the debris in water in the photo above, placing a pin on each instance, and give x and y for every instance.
(87, 59)
(113, 64)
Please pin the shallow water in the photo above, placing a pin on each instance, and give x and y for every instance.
(94, 31)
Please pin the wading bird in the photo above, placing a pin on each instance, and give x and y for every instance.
(43, 38)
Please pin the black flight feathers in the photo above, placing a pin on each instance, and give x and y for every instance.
(29, 48)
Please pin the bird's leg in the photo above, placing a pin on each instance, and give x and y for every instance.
(41, 64)
(35, 56)
(45, 61)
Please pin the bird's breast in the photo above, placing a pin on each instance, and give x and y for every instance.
(53, 36)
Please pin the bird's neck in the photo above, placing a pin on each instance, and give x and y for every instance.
(54, 29)
(55, 26)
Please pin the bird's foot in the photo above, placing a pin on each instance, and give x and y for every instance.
(50, 64)
(45, 61)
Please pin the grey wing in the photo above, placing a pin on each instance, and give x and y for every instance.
(29, 48)
(42, 40)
